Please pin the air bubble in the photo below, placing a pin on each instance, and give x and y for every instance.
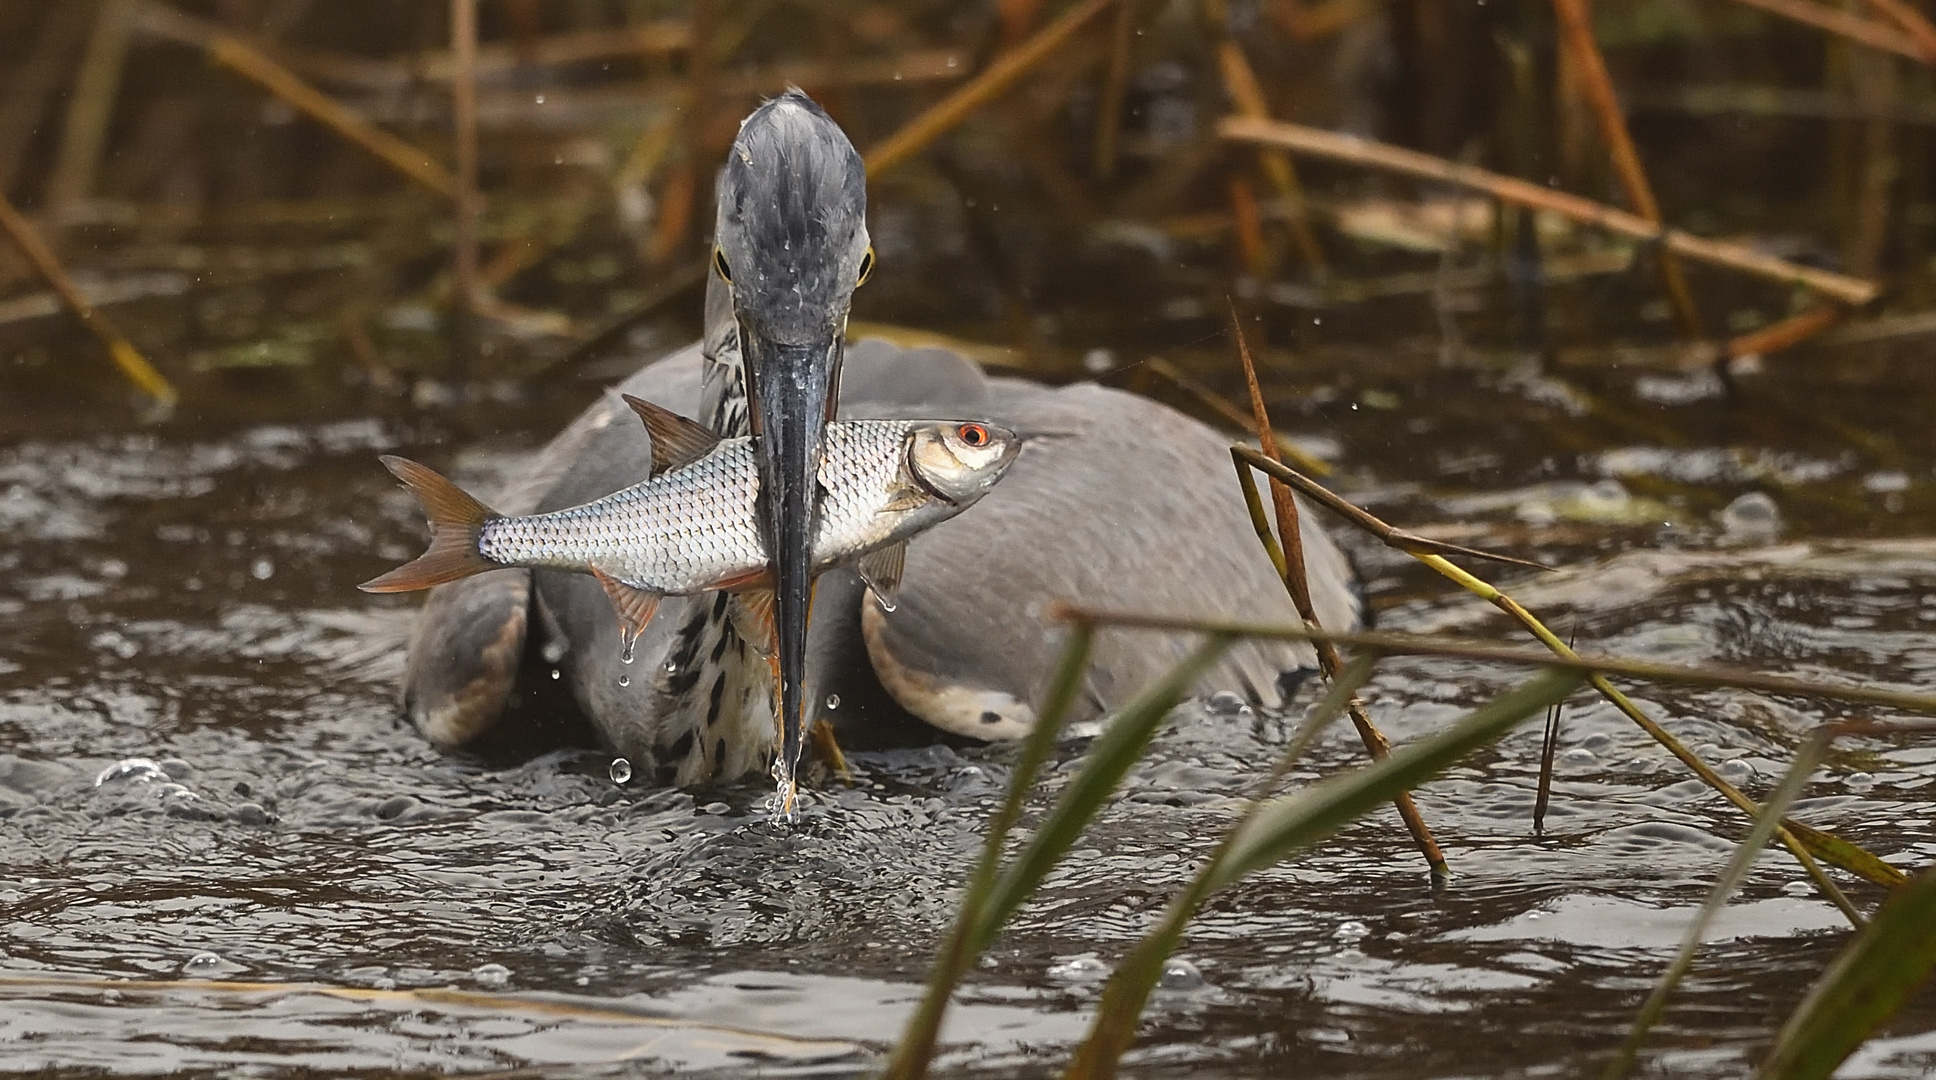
(1858, 781)
(1180, 974)
(1079, 969)
(493, 975)
(621, 771)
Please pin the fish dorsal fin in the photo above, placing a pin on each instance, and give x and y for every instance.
(752, 615)
(881, 570)
(633, 604)
(676, 441)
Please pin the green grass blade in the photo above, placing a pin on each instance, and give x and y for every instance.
(1885, 963)
(1286, 824)
(1129, 988)
(916, 1048)
(1115, 750)
(1807, 757)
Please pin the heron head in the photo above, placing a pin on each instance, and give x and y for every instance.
(791, 244)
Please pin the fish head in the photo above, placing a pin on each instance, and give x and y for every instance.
(791, 246)
(958, 461)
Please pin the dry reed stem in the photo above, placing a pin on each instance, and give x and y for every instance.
(1512, 608)
(1911, 22)
(1228, 409)
(1115, 84)
(126, 357)
(1576, 28)
(1787, 333)
(1249, 227)
(91, 106)
(245, 59)
(31, 88)
(1862, 31)
(641, 39)
(1371, 154)
(1292, 565)
(1392, 643)
(983, 88)
(463, 254)
(1247, 95)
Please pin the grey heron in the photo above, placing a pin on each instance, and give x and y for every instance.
(1128, 504)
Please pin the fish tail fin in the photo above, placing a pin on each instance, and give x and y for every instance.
(455, 522)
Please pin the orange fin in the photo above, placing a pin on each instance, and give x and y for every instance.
(633, 604)
(676, 441)
(455, 520)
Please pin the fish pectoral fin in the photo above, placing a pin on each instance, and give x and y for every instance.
(752, 615)
(633, 604)
(881, 569)
(676, 441)
(905, 498)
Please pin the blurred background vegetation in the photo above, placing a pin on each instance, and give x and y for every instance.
(261, 193)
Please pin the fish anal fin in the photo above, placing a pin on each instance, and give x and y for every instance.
(456, 519)
(633, 604)
(676, 441)
(881, 569)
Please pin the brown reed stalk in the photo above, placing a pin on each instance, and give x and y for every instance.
(91, 106)
(1377, 155)
(1576, 29)
(250, 62)
(1291, 536)
(1247, 96)
(30, 89)
(998, 77)
(463, 254)
(1799, 839)
(1911, 22)
(1115, 84)
(126, 357)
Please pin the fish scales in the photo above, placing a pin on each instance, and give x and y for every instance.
(697, 525)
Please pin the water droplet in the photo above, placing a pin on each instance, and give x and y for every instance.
(555, 674)
(833, 702)
(491, 975)
(621, 771)
(1180, 974)
(672, 668)
(1079, 969)
(626, 656)
(135, 769)
(553, 652)
(625, 680)
(263, 569)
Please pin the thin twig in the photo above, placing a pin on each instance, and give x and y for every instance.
(1576, 27)
(1115, 84)
(126, 357)
(1366, 152)
(33, 84)
(1291, 564)
(998, 77)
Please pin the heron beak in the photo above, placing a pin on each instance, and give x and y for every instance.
(792, 387)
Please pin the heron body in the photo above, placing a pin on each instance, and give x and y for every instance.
(1115, 501)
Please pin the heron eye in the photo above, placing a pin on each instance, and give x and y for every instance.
(866, 267)
(973, 434)
(719, 264)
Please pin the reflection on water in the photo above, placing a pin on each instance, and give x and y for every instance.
(203, 782)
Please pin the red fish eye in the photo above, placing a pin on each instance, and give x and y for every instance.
(973, 434)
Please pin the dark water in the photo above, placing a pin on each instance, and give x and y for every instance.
(203, 783)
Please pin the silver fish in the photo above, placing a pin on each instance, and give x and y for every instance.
(692, 525)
